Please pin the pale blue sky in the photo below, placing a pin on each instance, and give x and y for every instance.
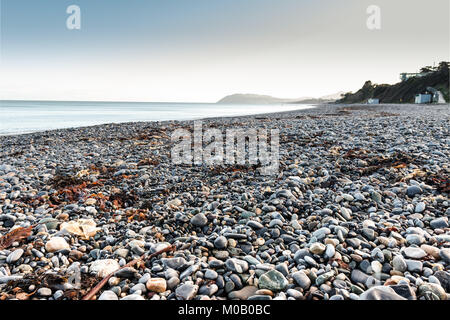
(202, 50)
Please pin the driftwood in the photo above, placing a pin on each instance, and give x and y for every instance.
(16, 235)
(102, 283)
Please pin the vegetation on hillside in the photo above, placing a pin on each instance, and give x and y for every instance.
(403, 92)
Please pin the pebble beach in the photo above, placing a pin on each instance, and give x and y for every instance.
(359, 210)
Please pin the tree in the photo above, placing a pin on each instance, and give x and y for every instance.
(426, 69)
(443, 65)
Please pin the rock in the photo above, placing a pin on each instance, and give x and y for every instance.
(444, 279)
(173, 263)
(368, 233)
(44, 292)
(321, 233)
(156, 285)
(199, 220)
(317, 248)
(433, 288)
(211, 274)
(108, 295)
(236, 265)
(330, 251)
(358, 276)
(174, 203)
(399, 263)
(432, 251)
(221, 242)
(415, 239)
(133, 297)
(414, 253)
(445, 255)
(301, 254)
(128, 273)
(104, 267)
(14, 256)
(243, 294)
(186, 291)
(405, 291)
(380, 293)
(420, 207)
(272, 280)
(439, 223)
(414, 265)
(413, 190)
(302, 280)
(56, 244)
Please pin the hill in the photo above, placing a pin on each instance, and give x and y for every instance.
(403, 92)
(264, 99)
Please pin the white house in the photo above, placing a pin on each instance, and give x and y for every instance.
(423, 98)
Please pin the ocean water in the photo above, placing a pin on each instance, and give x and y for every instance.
(32, 116)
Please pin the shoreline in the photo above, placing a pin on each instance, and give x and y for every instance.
(358, 210)
(319, 108)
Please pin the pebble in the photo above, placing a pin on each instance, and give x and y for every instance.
(156, 285)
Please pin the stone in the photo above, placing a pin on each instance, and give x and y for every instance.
(221, 242)
(444, 253)
(173, 263)
(56, 244)
(14, 256)
(199, 220)
(420, 207)
(301, 254)
(44, 292)
(414, 253)
(272, 280)
(211, 274)
(399, 263)
(405, 291)
(108, 295)
(330, 251)
(186, 291)
(358, 276)
(439, 223)
(156, 285)
(236, 265)
(415, 239)
(243, 294)
(411, 191)
(321, 233)
(414, 265)
(432, 251)
(380, 293)
(302, 280)
(104, 267)
(433, 288)
(317, 248)
(444, 279)
(133, 297)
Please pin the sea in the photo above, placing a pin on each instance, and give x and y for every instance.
(19, 117)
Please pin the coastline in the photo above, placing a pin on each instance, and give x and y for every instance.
(358, 210)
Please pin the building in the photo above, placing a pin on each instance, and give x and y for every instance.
(373, 101)
(423, 98)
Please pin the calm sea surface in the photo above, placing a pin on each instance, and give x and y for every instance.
(31, 116)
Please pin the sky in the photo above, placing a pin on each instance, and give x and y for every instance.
(203, 50)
